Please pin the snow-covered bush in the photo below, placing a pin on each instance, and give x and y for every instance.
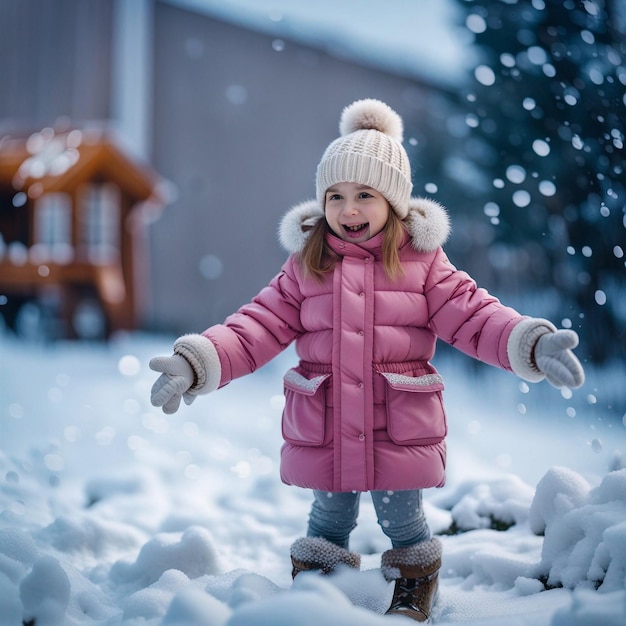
(585, 530)
(497, 504)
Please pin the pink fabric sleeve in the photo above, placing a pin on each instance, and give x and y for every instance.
(468, 317)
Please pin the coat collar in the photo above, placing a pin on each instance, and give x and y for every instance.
(427, 223)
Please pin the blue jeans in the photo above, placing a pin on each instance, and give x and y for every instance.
(400, 515)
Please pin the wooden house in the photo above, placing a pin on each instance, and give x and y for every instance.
(73, 208)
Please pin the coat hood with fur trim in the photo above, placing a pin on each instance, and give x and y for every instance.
(427, 223)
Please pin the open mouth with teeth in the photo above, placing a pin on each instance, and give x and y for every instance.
(355, 230)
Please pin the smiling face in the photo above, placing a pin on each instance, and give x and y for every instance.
(355, 212)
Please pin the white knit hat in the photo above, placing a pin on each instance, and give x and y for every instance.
(368, 152)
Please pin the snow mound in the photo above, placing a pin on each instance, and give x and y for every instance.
(18, 552)
(45, 592)
(193, 554)
(497, 504)
(590, 609)
(90, 536)
(558, 492)
(193, 606)
(584, 545)
(314, 600)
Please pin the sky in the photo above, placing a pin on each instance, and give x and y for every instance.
(420, 38)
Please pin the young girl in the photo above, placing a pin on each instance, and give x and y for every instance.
(365, 294)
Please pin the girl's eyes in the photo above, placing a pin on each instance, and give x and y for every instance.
(363, 195)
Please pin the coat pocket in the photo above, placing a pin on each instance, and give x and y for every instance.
(415, 412)
(305, 412)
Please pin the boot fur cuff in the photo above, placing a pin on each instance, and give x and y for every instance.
(418, 561)
(319, 553)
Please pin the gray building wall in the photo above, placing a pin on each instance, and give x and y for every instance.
(55, 62)
(240, 128)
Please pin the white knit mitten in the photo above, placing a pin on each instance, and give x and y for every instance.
(175, 380)
(192, 370)
(537, 350)
(555, 359)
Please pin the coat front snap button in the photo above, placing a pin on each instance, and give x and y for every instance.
(361, 437)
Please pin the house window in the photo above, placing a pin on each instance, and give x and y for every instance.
(100, 228)
(52, 237)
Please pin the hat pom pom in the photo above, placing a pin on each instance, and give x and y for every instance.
(371, 114)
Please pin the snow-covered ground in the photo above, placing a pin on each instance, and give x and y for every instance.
(112, 513)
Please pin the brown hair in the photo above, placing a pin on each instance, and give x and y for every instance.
(318, 258)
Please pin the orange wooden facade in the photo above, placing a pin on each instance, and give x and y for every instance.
(73, 210)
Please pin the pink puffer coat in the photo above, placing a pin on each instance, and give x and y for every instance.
(364, 408)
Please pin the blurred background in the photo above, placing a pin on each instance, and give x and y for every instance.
(149, 148)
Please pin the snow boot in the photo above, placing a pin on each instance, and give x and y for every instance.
(317, 553)
(415, 571)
